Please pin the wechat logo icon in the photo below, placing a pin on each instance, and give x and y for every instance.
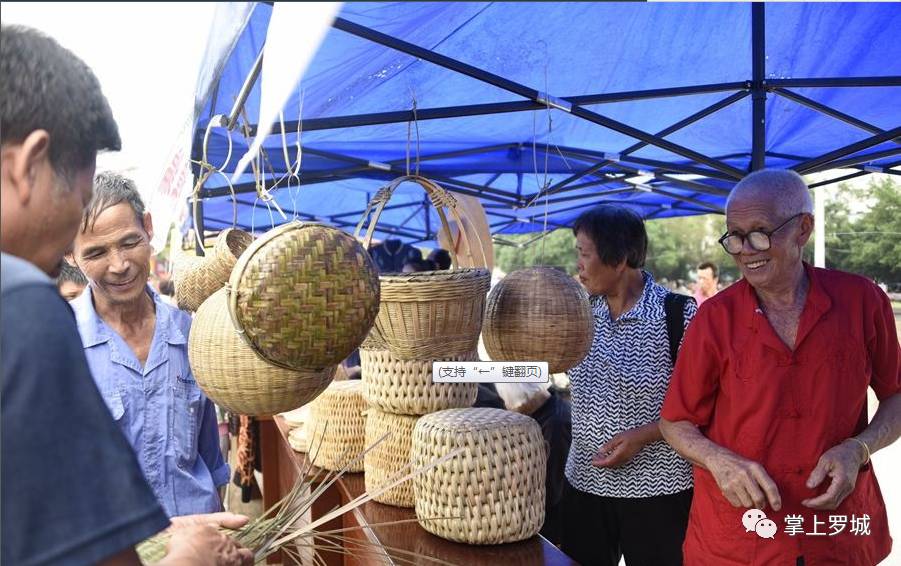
(755, 520)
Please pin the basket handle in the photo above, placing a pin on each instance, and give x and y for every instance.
(440, 198)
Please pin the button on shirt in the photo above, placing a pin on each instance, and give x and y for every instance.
(167, 420)
(746, 390)
(618, 386)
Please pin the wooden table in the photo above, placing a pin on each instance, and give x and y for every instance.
(282, 466)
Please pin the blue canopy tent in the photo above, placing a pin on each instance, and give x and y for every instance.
(544, 109)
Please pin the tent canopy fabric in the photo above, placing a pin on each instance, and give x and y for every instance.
(545, 109)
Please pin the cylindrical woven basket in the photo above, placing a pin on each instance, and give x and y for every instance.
(200, 277)
(538, 314)
(405, 387)
(337, 426)
(304, 295)
(391, 457)
(234, 377)
(491, 493)
(430, 314)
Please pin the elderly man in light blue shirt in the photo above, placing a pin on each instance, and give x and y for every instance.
(136, 346)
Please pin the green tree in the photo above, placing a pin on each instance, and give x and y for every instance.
(557, 249)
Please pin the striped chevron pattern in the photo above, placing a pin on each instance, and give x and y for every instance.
(620, 385)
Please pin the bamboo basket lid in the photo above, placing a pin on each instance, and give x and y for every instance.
(304, 295)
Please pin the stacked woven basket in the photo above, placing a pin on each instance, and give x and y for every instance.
(423, 318)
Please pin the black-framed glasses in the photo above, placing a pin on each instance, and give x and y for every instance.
(760, 240)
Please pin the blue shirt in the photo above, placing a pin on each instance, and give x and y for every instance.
(618, 386)
(72, 491)
(168, 421)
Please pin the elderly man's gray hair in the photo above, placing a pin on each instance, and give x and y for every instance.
(110, 189)
(785, 188)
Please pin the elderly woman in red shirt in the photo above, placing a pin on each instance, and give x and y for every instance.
(769, 397)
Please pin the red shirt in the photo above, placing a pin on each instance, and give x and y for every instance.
(746, 390)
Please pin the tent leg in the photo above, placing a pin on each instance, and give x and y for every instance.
(819, 214)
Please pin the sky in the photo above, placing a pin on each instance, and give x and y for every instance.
(146, 56)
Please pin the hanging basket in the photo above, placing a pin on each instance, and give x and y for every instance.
(538, 314)
(491, 493)
(196, 278)
(430, 314)
(389, 459)
(337, 426)
(405, 387)
(234, 377)
(304, 295)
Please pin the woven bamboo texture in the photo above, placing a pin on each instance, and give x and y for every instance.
(538, 314)
(390, 459)
(196, 278)
(234, 377)
(337, 427)
(299, 440)
(429, 314)
(304, 295)
(405, 387)
(491, 493)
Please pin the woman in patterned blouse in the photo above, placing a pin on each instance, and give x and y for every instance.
(628, 492)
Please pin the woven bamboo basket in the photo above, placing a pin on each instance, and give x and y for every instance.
(337, 427)
(196, 278)
(405, 387)
(234, 377)
(304, 295)
(430, 314)
(391, 457)
(538, 314)
(491, 493)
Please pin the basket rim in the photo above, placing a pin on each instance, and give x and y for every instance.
(437, 275)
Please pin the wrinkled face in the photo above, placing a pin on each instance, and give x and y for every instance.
(597, 277)
(70, 290)
(706, 281)
(775, 266)
(114, 254)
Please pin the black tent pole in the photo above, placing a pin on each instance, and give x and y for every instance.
(758, 90)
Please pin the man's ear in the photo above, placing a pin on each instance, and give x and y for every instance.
(806, 224)
(147, 221)
(24, 163)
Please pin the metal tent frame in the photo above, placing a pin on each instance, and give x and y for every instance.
(712, 175)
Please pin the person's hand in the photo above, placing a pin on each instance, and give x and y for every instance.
(204, 545)
(620, 449)
(743, 482)
(224, 520)
(841, 463)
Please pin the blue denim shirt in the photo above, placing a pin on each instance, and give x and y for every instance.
(168, 421)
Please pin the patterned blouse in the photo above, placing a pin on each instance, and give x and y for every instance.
(620, 385)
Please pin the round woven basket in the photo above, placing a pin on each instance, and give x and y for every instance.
(430, 314)
(391, 457)
(538, 314)
(491, 493)
(197, 278)
(234, 377)
(405, 387)
(337, 427)
(304, 295)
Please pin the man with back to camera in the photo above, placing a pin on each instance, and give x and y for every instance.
(769, 398)
(137, 350)
(72, 490)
